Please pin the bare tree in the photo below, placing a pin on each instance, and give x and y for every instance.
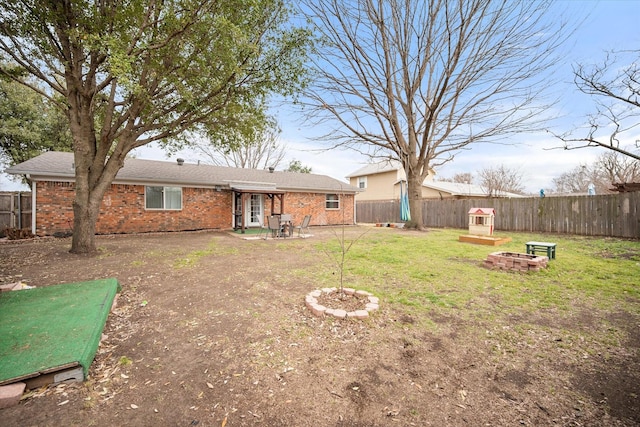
(258, 152)
(609, 168)
(618, 168)
(461, 178)
(499, 180)
(616, 90)
(578, 180)
(418, 81)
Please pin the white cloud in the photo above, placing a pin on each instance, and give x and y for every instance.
(539, 160)
(334, 163)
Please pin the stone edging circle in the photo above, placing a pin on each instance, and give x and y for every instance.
(311, 301)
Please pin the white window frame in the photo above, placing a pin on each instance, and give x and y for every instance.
(362, 182)
(330, 200)
(164, 198)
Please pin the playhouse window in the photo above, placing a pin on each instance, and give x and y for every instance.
(480, 220)
(168, 198)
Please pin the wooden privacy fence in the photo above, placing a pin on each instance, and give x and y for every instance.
(15, 210)
(615, 215)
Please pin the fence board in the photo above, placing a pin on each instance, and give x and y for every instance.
(614, 215)
(15, 210)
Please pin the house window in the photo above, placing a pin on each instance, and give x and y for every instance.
(362, 182)
(169, 198)
(479, 220)
(332, 201)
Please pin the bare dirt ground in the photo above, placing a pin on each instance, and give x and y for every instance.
(211, 330)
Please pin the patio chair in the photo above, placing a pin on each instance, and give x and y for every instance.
(274, 226)
(304, 225)
(286, 226)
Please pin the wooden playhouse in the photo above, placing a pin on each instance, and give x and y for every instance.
(481, 227)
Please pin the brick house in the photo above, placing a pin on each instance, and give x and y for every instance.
(149, 195)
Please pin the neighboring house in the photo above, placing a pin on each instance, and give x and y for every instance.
(458, 190)
(386, 180)
(380, 181)
(150, 195)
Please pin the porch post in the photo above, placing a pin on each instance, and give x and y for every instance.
(242, 212)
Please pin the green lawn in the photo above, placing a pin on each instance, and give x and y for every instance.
(422, 272)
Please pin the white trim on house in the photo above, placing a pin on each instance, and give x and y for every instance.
(33, 207)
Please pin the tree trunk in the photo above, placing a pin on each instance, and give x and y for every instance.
(94, 175)
(93, 179)
(86, 207)
(414, 190)
(84, 225)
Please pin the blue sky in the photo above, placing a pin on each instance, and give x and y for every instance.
(608, 25)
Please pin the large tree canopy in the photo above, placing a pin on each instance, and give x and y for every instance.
(130, 72)
(420, 80)
(29, 124)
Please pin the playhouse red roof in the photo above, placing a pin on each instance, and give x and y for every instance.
(482, 211)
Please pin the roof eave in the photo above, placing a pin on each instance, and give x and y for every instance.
(150, 181)
(318, 190)
(39, 176)
(36, 176)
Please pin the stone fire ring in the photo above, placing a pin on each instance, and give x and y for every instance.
(311, 301)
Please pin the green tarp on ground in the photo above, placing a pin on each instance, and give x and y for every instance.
(43, 329)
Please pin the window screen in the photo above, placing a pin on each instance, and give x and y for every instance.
(163, 198)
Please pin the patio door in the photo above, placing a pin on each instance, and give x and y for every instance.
(255, 210)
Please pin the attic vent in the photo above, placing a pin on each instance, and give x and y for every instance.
(180, 162)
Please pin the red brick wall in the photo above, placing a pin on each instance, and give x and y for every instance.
(123, 210)
(301, 204)
(54, 207)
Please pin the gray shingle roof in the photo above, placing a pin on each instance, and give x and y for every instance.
(374, 168)
(57, 165)
(461, 189)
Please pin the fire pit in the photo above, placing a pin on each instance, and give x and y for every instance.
(515, 261)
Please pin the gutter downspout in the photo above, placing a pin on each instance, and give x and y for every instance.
(355, 206)
(33, 205)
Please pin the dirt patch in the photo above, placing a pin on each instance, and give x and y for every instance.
(630, 255)
(342, 301)
(212, 330)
